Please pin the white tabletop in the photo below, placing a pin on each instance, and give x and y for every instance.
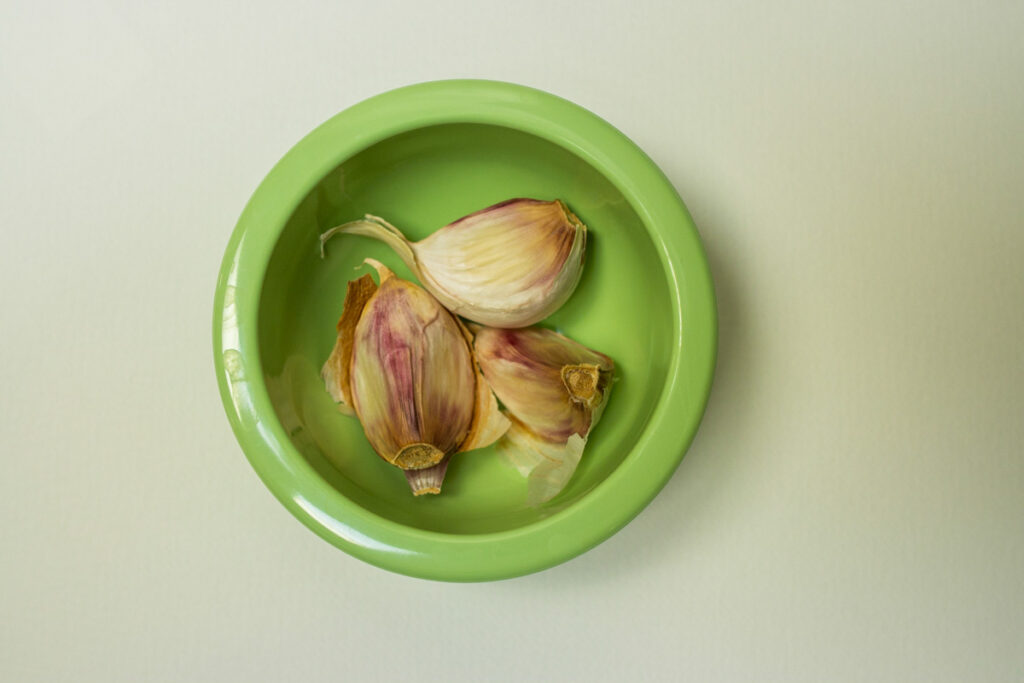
(853, 505)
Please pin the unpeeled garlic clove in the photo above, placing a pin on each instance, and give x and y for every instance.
(555, 390)
(546, 380)
(509, 265)
(404, 366)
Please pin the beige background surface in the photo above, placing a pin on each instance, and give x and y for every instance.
(853, 506)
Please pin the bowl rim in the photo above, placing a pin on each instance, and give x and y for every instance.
(603, 510)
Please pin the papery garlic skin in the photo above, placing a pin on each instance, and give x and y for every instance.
(555, 389)
(509, 265)
(547, 466)
(336, 372)
(404, 366)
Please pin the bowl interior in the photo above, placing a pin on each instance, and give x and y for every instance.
(421, 180)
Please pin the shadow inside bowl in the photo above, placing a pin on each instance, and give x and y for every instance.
(421, 180)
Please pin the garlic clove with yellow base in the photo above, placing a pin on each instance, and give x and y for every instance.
(411, 375)
(509, 265)
(404, 366)
(555, 390)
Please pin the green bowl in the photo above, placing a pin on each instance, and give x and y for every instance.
(422, 156)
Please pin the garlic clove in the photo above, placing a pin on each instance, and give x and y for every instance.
(412, 379)
(555, 389)
(546, 380)
(404, 365)
(509, 265)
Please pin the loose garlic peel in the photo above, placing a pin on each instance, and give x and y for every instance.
(555, 390)
(488, 421)
(404, 366)
(547, 466)
(509, 265)
(336, 372)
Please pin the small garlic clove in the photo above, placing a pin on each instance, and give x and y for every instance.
(546, 380)
(412, 378)
(555, 389)
(509, 265)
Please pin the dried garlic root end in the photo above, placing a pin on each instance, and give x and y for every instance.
(417, 456)
(427, 481)
(581, 382)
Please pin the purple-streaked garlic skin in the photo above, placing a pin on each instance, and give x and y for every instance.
(555, 390)
(525, 370)
(403, 364)
(412, 376)
(509, 265)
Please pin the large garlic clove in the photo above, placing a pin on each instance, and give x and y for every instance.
(404, 365)
(555, 389)
(509, 265)
(412, 379)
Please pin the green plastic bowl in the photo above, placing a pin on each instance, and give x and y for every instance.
(422, 156)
